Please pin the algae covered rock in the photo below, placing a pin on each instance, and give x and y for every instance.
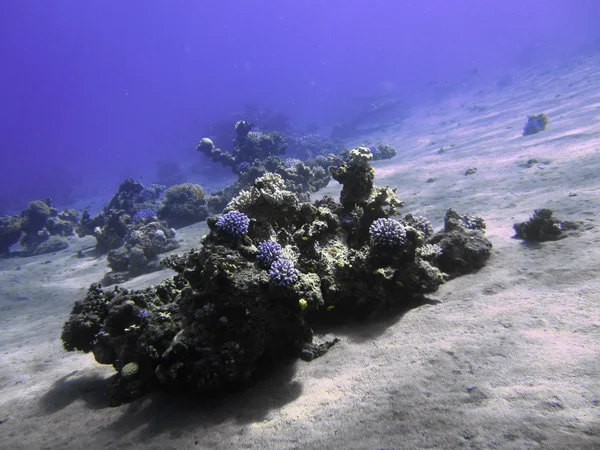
(535, 124)
(139, 255)
(271, 264)
(11, 228)
(112, 224)
(39, 228)
(542, 226)
(183, 204)
(248, 146)
(356, 176)
(464, 248)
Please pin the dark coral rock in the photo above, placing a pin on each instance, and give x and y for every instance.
(111, 225)
(228, 312)
(121, 327)
(127, 196)
(11, 228)
(543, 227)
(35, 216)
(118, 259)
(357, 182)
(184, 204)
(248, 146)
(109, 228)
(535, 124)
(383, 151)
(34, 226)
(464, 246)
(140, 253)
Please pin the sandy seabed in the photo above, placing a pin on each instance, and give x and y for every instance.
(508, 357)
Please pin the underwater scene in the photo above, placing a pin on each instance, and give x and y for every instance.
(300, 225)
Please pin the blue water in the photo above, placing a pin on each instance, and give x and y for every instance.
(93, 92)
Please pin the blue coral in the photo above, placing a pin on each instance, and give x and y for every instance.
(268, 252)
(387, 233)
(144, 214)
(233, 223)
(283, 272)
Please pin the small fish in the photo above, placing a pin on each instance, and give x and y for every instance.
(331, 308)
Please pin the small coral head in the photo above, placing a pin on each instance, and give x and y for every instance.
(268, 252)
(387, 233)
(233, 223)
(283, 272)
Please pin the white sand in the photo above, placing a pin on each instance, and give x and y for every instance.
(508, 357)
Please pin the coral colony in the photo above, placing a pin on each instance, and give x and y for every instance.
(283, 272)
(271, 263)
(268, 252)
(535, 124)
(387, 233)
(233, 223)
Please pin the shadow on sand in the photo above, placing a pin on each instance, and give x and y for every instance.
(174, 413)
(362, 328)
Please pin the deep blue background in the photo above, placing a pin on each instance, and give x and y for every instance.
(93, 91)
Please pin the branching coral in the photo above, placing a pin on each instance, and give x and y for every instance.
(233, 223)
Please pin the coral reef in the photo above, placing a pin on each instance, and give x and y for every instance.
(39, 228)
(139, 254)
(299, 177)
(10, 231)
(535, 124)
(543, 227)
(183, 204)
(464, 247)
(111, 225)
(248, 146)
(383, 151)
(270, 264)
